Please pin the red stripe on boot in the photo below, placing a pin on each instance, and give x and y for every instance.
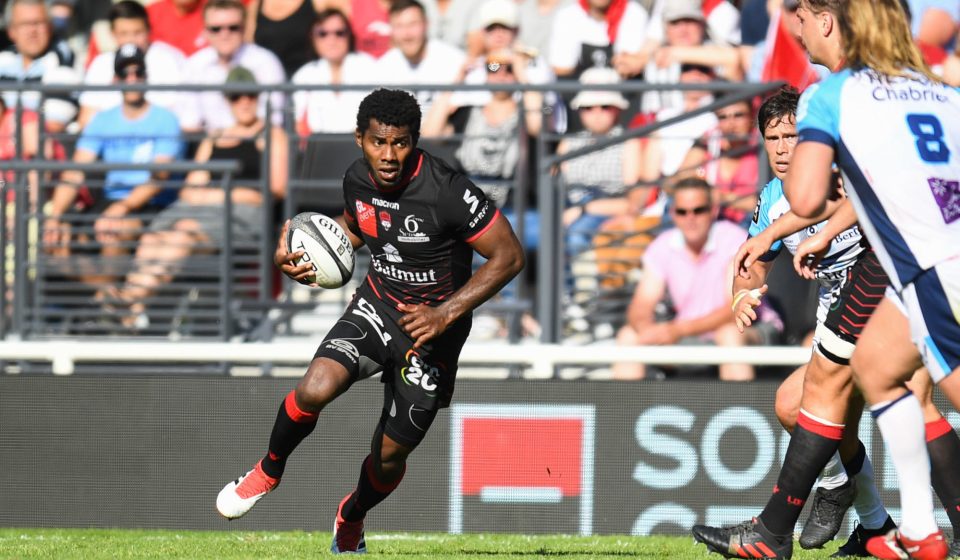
(295, 413)
(383, 488)
(937, 428)
(812, 425)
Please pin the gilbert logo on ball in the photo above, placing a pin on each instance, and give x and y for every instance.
(325, 246)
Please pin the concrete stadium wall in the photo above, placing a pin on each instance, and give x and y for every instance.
(513, 456)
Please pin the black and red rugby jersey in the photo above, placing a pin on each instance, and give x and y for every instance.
(418, 234)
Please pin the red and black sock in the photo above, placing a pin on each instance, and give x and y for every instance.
(811, 446)
(370, 492)
(944, 449)
(289, 429)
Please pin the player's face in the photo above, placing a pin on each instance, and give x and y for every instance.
(387, 150)
(779, 140)
(131, 30)
(811, 33)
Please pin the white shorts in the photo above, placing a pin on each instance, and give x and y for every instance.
(932, 305)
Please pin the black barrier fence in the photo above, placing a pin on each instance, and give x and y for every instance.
(508, 456)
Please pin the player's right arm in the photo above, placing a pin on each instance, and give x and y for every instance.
(747, 292)
(811, 251)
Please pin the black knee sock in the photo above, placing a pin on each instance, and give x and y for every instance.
(944, 448)
(855, 464)
(369, 492)
(289, 429)
(812, 445)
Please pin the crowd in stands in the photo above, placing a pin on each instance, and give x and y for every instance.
(672, 203)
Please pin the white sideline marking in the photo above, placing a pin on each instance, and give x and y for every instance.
(520, 495)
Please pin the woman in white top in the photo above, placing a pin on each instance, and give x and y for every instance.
(337, 63)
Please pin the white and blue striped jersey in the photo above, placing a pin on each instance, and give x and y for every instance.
(843, 251)
(896, 141)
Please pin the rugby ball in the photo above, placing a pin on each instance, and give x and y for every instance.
(325, 246)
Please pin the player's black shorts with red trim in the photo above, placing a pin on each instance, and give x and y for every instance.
(368, 338)
(861, 291)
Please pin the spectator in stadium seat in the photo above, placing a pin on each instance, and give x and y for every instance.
(178, 23)
(727, 158)
(134, 132)
(498, 21)
(683, 26)
(338, 62)
(592, 33)
(415, 59)
(33, 53)
(129, 24)
(599, 184)
(691, 264)
(283, 28)
(224, 24)
(194, 223)
(491, 145)
(934, 26)
(666, 148)
(721, 17)
(536, 24)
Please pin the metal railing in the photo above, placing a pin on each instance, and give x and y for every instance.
(544, 300)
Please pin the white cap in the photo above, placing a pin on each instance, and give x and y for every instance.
(683, 9)
(499, 12)
(588, 98)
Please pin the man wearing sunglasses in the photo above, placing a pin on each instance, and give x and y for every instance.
(690, 264)
(129, 23)
(134, 132)
(224, 22)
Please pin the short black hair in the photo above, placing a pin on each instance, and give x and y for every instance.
(128, 9)
(401, 5)
(778, 106)
(392, 107)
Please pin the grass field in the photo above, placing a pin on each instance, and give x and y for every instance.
(118, 544)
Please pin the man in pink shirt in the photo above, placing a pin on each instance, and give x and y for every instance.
(691, 263)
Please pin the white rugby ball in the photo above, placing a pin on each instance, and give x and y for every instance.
(325, 245)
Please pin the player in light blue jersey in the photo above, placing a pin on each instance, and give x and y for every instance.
(895, 131)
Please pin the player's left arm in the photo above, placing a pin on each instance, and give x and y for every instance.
(500, 246)
(808, 182)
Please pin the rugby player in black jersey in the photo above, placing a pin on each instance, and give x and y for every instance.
(422, 221)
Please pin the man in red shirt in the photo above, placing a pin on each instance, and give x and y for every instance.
(178, 23)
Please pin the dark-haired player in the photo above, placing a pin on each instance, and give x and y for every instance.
(409, 318)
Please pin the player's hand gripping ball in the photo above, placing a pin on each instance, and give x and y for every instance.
(325, 245)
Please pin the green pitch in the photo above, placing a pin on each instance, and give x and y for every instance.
(90, 544)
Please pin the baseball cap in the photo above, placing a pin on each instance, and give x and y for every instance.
(499, 12)
(683, 9)
(129, 55)
(588, 98)
(240, 75)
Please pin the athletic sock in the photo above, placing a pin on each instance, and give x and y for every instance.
(369, 492)
(834, 475)
(290, 428)
(814, 440)
(867, 502)
(944, 448)
(901, 424)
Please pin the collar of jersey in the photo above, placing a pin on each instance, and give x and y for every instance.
(406, 180)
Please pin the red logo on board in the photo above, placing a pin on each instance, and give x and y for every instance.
(367, 216)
